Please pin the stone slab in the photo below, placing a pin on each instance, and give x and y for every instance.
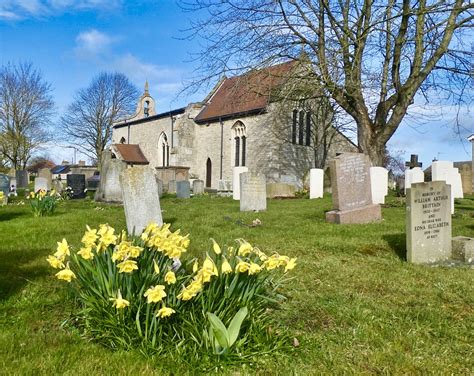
(42, 184)
(4, 184)
(253, 194)
(236, 181)
(22, 179)
(316, 183)
(198, 187)
(183, 189)
(159, 184)
(172, 186)
(463, 249)
(379, 184)
(428, 222)
(110, 189)
(77, 182)
(280, 190)
(140, 198)
(413, 176)
(466, 178)
(366, 214)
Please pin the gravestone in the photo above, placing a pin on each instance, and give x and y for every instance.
(379, 184)
(412, 176)
(413, 162)
(428, 222)
(351, 191)
(77, 182)
(445, 171)
(236, 181)
(316, 183)
(4, 184)
(172, 186)
(224, 188)
(57, 185)
(41, 184)
(159, 184)
(466, 178)
(183, 189)
(46, 173)
(280, 190)
(109, 185)
(253, 193)
(198, 187)
(140, 198)
(22, 179)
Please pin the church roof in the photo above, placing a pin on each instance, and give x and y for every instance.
(130, 153)
(245, 94)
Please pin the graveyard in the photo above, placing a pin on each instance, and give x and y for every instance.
(353, 303)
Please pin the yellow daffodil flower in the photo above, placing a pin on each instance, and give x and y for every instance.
(155, 294)
(156, 267)
(170, 278)
(55, 262)
(272, 262)
(242, 267)
(135, 251)
(127, 266)
(195, 266)
(63, 249)
(291, 264)
(86, 253)
(216, 248)
(226, 268)
(90, 237)
(165, 312)
(244, 249)
(66, 275)
(119, 302)
(254, 268)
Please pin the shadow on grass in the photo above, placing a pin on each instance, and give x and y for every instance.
(17, 268)
(10, 215)
(397, 242)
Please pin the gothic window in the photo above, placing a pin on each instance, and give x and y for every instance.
(301, 127)
(163, 151)
(293, 127)
(240, 143)
(308, 128)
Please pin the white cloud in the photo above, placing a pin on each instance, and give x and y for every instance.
(92, 43)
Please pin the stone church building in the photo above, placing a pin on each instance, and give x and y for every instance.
(238, 124)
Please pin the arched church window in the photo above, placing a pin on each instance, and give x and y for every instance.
(163, 151)
(240, 143)
(301, 127)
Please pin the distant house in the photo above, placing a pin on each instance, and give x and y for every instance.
(233, 126)
(60, 172)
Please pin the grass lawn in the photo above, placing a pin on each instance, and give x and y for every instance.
(355, 305)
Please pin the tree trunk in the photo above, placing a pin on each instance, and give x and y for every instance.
(371, 144)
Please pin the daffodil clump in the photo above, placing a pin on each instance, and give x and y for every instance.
(3, 198)
(143, 286)
(43, 203)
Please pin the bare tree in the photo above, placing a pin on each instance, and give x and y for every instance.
(26, 107)
(371, 56)
(88, 120)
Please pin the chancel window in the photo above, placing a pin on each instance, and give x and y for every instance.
(240, 143)
(301, 127)
(163, 151)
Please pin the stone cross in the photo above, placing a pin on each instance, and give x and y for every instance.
(413, 162)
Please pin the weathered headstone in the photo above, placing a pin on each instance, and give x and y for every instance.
(77, 182)
(351, 191)
(428, 222)
(140, 198)
(159, 184)
(109, 186)
(172, 186)
(57, 185)
(445, 171)
(183, 189)
(198, 187)
(46, 173)
(280, 190)
(379, 184)
(236, 181)
(4, 184)
(412, 176)
(316, 183)
(41, 184)
(22, 179)
(466, 178)
(253, 193)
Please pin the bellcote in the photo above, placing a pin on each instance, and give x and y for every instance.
(146, 105)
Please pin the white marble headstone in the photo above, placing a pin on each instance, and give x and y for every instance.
(379, 184)
(236, 181)
(316, 183)
(413, 176)
(445, 171)
(41, 183)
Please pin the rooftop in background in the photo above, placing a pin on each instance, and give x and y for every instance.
(245, 94)
(130, 153)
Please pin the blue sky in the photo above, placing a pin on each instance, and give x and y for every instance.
(70, 41)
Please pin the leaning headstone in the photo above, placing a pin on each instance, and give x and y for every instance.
(466, 179)
(41, 184)
(183, 189)
(316, 183)
(413, 176)
(77, 182)
(140, 198)
(46, 173)
(428, 222)
(198, 187)
(22, 179)
(109, 184)
(4, 184)
(379, 184)
(351, 191)
(172, 186)
(236, 181)
(253, 193)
